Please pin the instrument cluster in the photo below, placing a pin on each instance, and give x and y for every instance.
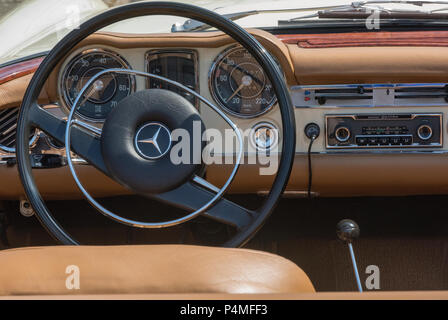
(237, 82)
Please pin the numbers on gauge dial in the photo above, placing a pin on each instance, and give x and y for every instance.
(105, 92)
(240, 84)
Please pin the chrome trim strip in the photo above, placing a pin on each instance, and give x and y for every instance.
(290, 194)
(393, 86)
(373, 151)
(140, 224)
(331, 152)
(370, 86)
(88, 127)
(204, 183)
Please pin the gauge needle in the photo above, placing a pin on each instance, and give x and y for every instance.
(236, 91)
(97, 86)
(245, 81)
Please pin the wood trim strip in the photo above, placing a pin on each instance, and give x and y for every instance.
(368, 39)
(20, 69)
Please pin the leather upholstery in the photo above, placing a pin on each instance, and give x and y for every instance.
(371, 295)
(152, 269)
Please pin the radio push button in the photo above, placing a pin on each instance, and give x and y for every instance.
(372, 141)
(384, 141)
(361, 141)
(406, 140)
(395, 140)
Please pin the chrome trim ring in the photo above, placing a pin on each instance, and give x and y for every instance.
(211, 87)
(66, 103)
(134, 223)
(421, 136)
(253, 138)
(336, 134)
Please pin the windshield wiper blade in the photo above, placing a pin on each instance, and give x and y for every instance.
(193, 25)
(363, 10)
(382, 15)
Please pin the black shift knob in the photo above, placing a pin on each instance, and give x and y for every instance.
(347, 230)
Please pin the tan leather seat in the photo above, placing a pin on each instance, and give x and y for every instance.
(147, 269)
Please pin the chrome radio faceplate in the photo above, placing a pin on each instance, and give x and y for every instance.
(416, 130)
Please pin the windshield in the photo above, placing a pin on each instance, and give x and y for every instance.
(29, 27)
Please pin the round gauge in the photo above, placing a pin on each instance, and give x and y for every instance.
(239, 84)
(105, 93)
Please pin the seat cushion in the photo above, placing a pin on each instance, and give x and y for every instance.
(146, 269)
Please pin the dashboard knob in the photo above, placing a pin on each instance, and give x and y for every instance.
(424, 132)
(347, 230)
(312, 131)
(342, 134)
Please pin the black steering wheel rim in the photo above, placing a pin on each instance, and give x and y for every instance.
(157, 8)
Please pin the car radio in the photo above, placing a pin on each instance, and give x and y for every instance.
(384, 131)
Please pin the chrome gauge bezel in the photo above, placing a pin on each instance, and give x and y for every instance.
(214, 94)
(67, 105)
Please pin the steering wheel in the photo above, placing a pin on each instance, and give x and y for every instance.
(115, 150)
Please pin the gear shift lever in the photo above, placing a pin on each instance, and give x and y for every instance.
(348, 230)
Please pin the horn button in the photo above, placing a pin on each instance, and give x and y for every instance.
(137, 141)
(153, 140)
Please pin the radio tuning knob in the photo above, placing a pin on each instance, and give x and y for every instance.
(342, 134)
(424, 132)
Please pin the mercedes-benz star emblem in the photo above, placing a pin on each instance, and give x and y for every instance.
(153, 140)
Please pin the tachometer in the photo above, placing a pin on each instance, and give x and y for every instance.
(239, 84)
(105, 92)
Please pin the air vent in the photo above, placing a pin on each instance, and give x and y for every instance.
(8, 128)
(424, 92)
(322, 96)
(370, 95)
(333, 95)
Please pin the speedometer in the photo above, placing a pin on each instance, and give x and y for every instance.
(105, 92)
(239, 84)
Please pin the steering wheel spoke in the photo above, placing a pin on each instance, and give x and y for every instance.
(193, 194)
(85, 140)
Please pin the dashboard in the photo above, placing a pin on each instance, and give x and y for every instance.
(380, 110)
